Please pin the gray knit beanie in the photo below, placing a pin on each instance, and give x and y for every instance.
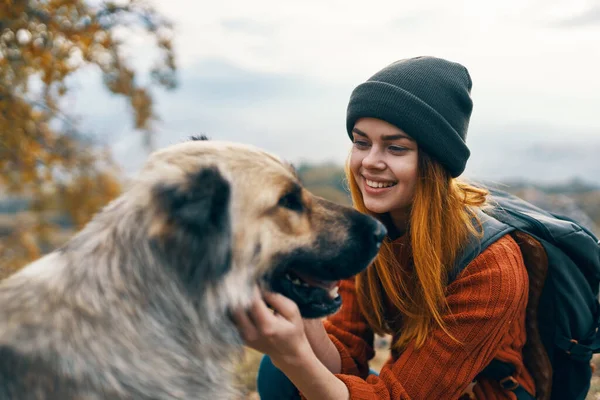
(428, 98)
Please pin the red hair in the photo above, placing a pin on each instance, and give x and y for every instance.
(440, 222)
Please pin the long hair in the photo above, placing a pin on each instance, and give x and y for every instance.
(440, 222)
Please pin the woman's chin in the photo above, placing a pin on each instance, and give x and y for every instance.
(377, 207)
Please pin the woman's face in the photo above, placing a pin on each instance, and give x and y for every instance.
(384, 163)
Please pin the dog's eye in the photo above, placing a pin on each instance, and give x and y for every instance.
(291, 201)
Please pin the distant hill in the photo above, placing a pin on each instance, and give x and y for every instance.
(576, 199)
(535, 154)
(327, 181)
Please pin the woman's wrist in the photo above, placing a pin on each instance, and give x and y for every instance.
(316, 334)
(322, 345)
(304, 357)
(313, 379)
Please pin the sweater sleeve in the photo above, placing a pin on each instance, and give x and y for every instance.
(350, 333)
(486, 297)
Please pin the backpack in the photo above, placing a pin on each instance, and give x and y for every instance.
(563, 309)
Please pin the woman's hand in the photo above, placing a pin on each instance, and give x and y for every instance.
(278, 333)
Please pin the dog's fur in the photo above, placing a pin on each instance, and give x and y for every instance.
(136, 305)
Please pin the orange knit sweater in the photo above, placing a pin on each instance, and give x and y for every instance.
(487, 302)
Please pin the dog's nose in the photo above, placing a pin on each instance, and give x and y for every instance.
(380, 232)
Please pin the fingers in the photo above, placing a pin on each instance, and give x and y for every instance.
(248, 331)
(259, 321)
(282, 305)
(261, 315)
(255, 321)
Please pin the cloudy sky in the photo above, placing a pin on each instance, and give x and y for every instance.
(278, 74)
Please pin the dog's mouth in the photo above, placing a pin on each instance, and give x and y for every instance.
(315, 298)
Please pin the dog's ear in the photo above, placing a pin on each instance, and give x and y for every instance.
(196, 237)
(202, 201)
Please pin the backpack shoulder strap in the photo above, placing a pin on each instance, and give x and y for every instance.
(493, 230)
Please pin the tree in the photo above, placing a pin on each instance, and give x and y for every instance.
(43, 154)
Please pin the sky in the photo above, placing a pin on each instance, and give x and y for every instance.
(278, 74)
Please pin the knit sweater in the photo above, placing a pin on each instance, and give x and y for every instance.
(487, 305)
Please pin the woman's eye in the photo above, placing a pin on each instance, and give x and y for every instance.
(361, 144)
(397, 149)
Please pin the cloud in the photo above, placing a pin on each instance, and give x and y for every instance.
(587, 18)
(298, 117)
(302, 118)
(249, 26)
(295, 116)
(279, 74)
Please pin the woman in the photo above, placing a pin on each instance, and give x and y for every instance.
(408, 124)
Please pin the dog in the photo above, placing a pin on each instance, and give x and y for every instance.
(137, 304)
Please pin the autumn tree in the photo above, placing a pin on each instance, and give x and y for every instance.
(44, 155)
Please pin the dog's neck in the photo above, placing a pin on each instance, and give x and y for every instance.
(112, 303)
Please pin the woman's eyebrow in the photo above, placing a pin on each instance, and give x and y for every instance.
(397, 136)
(386, 138)
(359, 132)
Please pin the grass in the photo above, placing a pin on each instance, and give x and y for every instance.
(246, 372)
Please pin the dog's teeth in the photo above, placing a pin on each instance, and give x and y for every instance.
(295, 281)
(333, 293)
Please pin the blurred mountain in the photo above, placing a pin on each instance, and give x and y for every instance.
(535, 155)
(576, 199)
(327, 181)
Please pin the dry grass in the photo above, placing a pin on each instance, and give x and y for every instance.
(594, 393)
(246, 372)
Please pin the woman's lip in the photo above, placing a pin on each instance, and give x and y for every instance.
(378, 179)
(375, 191)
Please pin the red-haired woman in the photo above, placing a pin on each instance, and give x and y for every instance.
(408, 125)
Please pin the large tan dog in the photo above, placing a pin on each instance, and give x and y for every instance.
(136, 305)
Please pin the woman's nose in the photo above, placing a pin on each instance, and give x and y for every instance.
(373, 160)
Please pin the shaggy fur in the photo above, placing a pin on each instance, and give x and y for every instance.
(136, 305)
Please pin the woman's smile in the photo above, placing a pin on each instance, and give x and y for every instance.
(377, 187)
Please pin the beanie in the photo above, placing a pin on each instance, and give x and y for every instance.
(428, 98)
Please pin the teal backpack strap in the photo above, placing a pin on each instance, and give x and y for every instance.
(492, 231)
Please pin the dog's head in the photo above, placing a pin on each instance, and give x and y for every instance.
(228, 216)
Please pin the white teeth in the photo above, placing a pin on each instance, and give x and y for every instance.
(374, 184)
(333, 293)
(296, 281)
